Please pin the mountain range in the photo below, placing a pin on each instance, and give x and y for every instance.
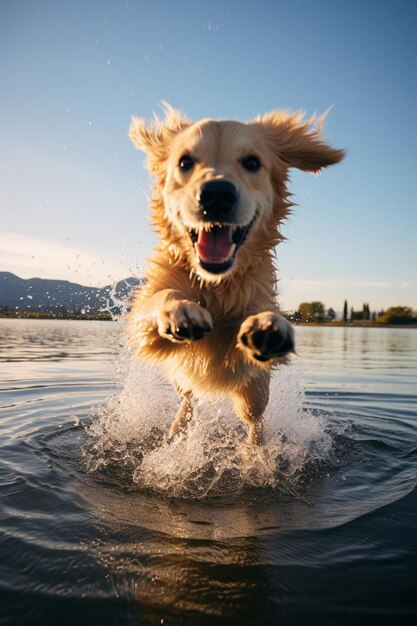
(45, 295)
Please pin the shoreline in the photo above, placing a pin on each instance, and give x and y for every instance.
(106, 317)
(355, 324)
(101, 317)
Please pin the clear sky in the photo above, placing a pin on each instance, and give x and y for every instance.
(73, 191)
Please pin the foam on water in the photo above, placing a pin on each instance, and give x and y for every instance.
(129, 433)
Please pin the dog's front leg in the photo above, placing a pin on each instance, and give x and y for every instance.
(266, 336)
(176, 318)
(250, 403)
(184, 415)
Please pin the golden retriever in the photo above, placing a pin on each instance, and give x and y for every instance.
(208, 313)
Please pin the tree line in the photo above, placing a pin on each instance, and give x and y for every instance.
(308, 312)
(317, 312)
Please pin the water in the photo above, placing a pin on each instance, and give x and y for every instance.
(103, 522)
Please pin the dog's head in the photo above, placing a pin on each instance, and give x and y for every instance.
(220, 185)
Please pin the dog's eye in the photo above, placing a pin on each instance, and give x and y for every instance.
(251, 163)
(186, 163)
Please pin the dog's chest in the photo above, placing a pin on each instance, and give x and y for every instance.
(214, 364)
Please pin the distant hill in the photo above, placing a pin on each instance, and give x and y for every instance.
(44, 295)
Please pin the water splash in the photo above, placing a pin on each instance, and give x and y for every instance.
(128, 438)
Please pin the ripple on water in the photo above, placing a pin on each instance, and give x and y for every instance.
(99, 516)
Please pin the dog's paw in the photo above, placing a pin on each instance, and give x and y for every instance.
(184, 321)
(266, 336)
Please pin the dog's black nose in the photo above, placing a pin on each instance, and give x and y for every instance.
(218, 196)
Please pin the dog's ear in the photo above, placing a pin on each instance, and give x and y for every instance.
(299, 142)
(155, 136)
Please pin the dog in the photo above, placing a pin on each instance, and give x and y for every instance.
(208, 313)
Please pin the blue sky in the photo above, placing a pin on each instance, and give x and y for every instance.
(73, 191)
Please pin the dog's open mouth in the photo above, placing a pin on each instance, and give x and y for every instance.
(216, 245)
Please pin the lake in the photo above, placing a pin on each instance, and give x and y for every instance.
(103, 522)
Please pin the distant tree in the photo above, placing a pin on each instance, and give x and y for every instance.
(345, 311)
(312, 312)
(397, 315)
(366, 314)
(331, 314)
(373, 316)
(356, 315)
(295, 317)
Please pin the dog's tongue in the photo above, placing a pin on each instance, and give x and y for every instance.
(215, 245)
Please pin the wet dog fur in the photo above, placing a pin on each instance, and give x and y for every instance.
(208, 313)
